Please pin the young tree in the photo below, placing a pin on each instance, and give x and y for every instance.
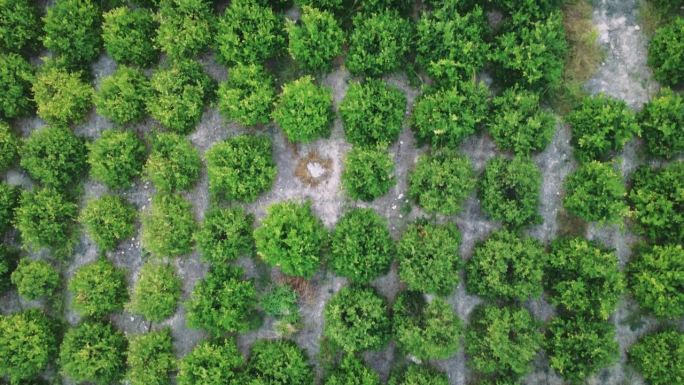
(8, 262)
(502, 342)
(93, 352)
(425, 330)
(214, 362)
(45, 219)
(72, 31)
(16, 77)
(304, 110)
(62, 97)
(9, 200)
(35, 279)
(506, 266)
(595, 192)
(247, 96)
(174, 163)
(19, 26)
(27, 344)
(368, 173)
(116, 158)
(415, 374)
(222, 302)
(282, 303)
(356, 319)
(509, 191)
(352, 371)
(666, 53)
(156, 292)
(150, 358)
(225, 235)
(292, 238)
(122, 96)
(108, 220)
(361, 247)
(658, 357)
(241, 168)
(279, 362)
(428, 256)
(185, 27)
(168, 226)
(315, 40)
(54, 156)
(656, 276)
(9, 146)
(372, 112)
(98, 288)
(661, 120)
(441, 181)
(126, 35)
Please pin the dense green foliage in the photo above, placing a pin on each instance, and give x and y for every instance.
(583, 278)
(19, 25)
(241, 167)
(666, 52)
(595, 192)
(108, 220)
(174, 163)
(428, 256)
(361, 246)
(54, 156)
(72, 31)
(168, 214)
(27, 344)
(222, 302)
(368, 173)
(248, 32)
(600, 125)
(116, 158)
(9, 200)
(378, 43)
(179, 93)
(98, 288)
(122, 96)
(656, 278)
(445, 117)
(45, 219)
(662, 119)
(247, 96)
(8, 262)
(292, 238)
(418, 375)
(279, 362)
(185, 27)
(509, 191)
(518, 124)
(16, 77)
(578, 348)
(304, 110)
(9, 146)
(352, 371)
(656, 199)
(315, 40)
(35, 279)
(150, 358)
(211, 363)
(156, 292)
(506, 266)
(372, 113)
(659, 357)
(61, 97)
(425, 330)
(356, 319)
(441, 181)
(94, 352)
(502, 342)
(225, 235)
(126, 34)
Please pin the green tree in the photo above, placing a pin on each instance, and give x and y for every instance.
(126, 34)
(666, 52)
(659, 357)
(62, 97)
(116, 158)
(185, 28)
(352, 371)
(108, 220)
(211, 363)
(225, 235)
(9, 200)
(506, 266)
(509, 191)
(292, 238)
(222, 302)
(595, 192)
(19, 26)
(8, 262)
(304, 110)
(368, 173)
(372, 112)
(661, 120)
(656, 276)
(247, 96)
(98, 288)
(122, 96)
(27, 344)
(174, 163)
(54, 156)
(150, 358)
(93, 352)
(315, 40)
(361, 246)
(429, 259)
(356, 319)
(72, 31)
(241, 167)
(35, 279)
(45, 219)
(156, 292)
(168, 226)
(418, 375)
(441, 181)
(279, 362)
(9, 146)
(16, 78)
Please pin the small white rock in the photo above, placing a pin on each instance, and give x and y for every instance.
(400, 196)
(637, 27)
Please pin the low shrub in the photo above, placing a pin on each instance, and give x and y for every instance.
(9, 200)
(416, 374)
(168, 226)
(98, 288)
(292, 238)
(661, 120)
(122, 96)
(328, 5)
(372, 113)
(361, 246)
(241, 167)
(352, 371)
(186, 27)
(27, 345)
(45, 219)
(156, 292)
(656, 275)
(116, 158)
(174, 163)
(20, 26)
(54, 156)
(225, 235)
(441, 181)
(126, 34)
(658, 357)
(279, 362)
(16, 78)
(150, 358)
(9, 146)
(108, 220)
(72, 31)
(368, 173)
(595, 192)
(666, 53)
(247, 96)
(304, 110)
(315, 40)
(282, 303)
(35, 279)
(62, 97)
(8, 262)
(211, 363)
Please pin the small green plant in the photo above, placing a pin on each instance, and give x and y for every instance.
(116, 158)
(35, 279)
(27, 345)
(54, 156)
(241, 168)
(16, 77)
(185, 28)
(150, 358)
(278, 362)
(174, 163)
(361, 246)
(292, 238)
(315, 40)
(595, 192)
(441, 182)
(211, 363)
(99, 288)
(655, 275)
(225, 235)
(108, 220)
(122, 96)
(9, 200)
(156, 292)
(168, 226)
(9, 146)
(45, 219)
(8, 262)
(126, 35)
(658, 357)
(328, 5)
(19, 26)
(368, 173)
(62, 97)
(352, 371)
(247, 96)
(416, 374)
(72, 31)
(666, 53)
(429, 259)
(281, 302)
(304, 110)
(661, 120)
